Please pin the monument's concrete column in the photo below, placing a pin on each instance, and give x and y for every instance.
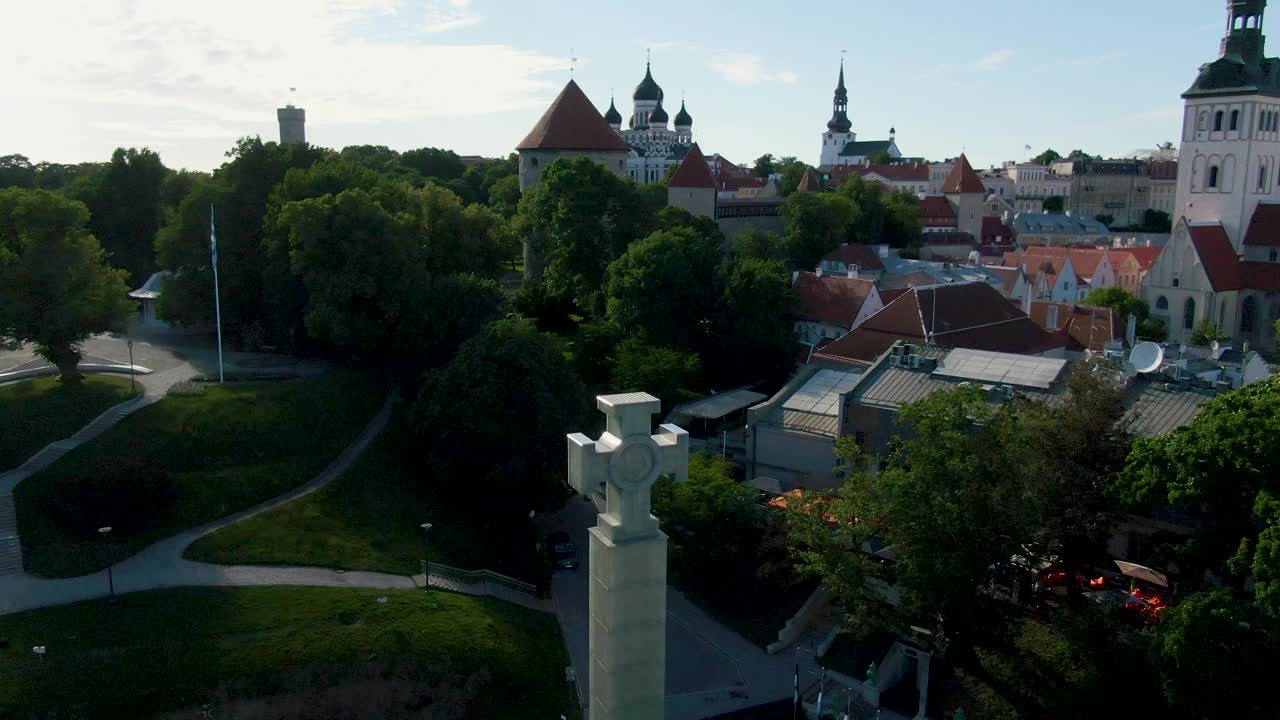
(627, 559)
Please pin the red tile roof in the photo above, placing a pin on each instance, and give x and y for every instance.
(969, 315)
(723, 167)
(1146, 256)
(1264, 226)
(831, 299)
(1218, 257)
(1085, 260)
(866, 257)
(963, 179)
(903, 172)
(809, 182)
(572, 123)
(935, 211)
(693, 171)
(1260, 275)
(1033, 262)
(735, 183)
(1081, 327)
(994, 227)
(891, 294)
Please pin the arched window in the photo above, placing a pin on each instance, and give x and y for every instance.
(1248, 315)
(1175, 282)
(1189, 314)
(1217, 120)
(1162, 304)
(1213, 176)
(1235, 119)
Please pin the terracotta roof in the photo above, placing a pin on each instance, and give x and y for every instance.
(723, 167)
(969, 315)
(1084, 260)
(734, 184)
(935, 211)
(963, 179)
(866, 257)
(1260, 275)
(891, 294)
(1081, 327)
(1033, 263)
(1218, 257)
(693, 171)
(572, 123)
(809, 182)
(901, 171)
(994, 227)
(832, 299)
(1264, 226)
(1146, 256)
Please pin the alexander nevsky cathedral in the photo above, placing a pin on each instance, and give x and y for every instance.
(654, 148)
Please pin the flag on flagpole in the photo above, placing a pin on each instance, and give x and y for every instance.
(213, 238)
(217, 300)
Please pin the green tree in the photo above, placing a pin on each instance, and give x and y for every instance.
(1123, 302)
(673, 376)
(382, 160)
(494, 420)
(753, 242)
(1156, 221)
(665, 286)
(429, 162)
(16, 171)
(579, 218)
(792, 170)
(125, 208)
(1078, 154)
(765, 166)
(674, 218)
(1046, 157)
(753, 319)
(902, 219)
(1054, 204)
(881, 157)
(1207, 333)
(56, 288)
(816, 224)
(504, 196)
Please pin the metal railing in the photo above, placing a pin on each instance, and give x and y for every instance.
(477, 577)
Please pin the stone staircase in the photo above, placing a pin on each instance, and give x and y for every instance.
(10, 549)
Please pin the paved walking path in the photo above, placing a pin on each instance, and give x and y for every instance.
(162, 564)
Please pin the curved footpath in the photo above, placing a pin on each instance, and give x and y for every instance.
(162, 564)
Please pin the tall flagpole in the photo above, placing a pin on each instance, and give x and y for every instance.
(217, 302)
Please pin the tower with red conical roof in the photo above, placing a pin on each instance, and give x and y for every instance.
(693, 187)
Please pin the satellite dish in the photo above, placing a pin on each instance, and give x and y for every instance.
(1146, 357)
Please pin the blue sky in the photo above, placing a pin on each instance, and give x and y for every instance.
(983, 77)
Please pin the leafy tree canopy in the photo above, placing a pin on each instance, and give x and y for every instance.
(663, 287)
(753, 242)
(673, 376)
(125, 208)
(1046, 157)
(1054, 204)
(765, 166)
(816, 224)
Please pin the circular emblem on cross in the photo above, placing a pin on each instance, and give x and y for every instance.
(635, 462)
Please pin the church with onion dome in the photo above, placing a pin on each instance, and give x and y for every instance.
(655, 147)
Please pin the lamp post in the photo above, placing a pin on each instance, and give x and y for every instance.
(111, 581)
(426, 556)
(132, 383)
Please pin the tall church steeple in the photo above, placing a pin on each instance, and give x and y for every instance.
(840, 106)
(1244, 40)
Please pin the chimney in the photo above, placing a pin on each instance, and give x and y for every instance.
(1051, 316)
(818, 271)
(853, 272)
(1131, 330)
(882, 250)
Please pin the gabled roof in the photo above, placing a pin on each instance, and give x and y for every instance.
(994, 227)
(963, 179)
(693, 172)
(734, 184)
(831, 299)
(1264, 226)
(865, 148)
(809, 182)
(1217, 256)
(1085, 261)
(1146, 256)
(935, 211)
(896, 171)
(572, 123)
(969, 315)
(1081, 327)
(1032, 263)
(866, 257)
(1260, 275)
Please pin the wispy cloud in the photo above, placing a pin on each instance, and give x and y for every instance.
(748, 69)
(993, 60)
(446, 15)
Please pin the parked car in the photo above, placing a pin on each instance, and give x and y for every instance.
(563, 551)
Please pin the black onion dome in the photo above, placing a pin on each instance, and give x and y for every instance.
(612, 116)
(683, 117)
(647, 89)
(658, 116)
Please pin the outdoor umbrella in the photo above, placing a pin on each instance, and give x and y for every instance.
(1142, 572)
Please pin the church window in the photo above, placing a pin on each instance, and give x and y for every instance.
(1262, 178)
(1248, 312)
(1162, 303)
(1217, 120)
(1176, 282)
(533, 161)
(1189, 314)
(1213, 176)
(1235, 119)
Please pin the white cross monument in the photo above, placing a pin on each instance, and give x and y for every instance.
(627, 561)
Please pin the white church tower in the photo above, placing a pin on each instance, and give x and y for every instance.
(1229, 159)
(839, 129)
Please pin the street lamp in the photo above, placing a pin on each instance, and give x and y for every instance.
(426, 554)
(111, 581)
(132, 383)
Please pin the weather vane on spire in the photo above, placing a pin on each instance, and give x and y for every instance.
(573, 62)
(646, 56)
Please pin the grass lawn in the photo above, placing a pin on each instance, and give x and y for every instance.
(34, 413)
(369, 520)
(285, 652)
(184, 461)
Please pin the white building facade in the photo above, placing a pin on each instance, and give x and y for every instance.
(655, 148)
(840, 145)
